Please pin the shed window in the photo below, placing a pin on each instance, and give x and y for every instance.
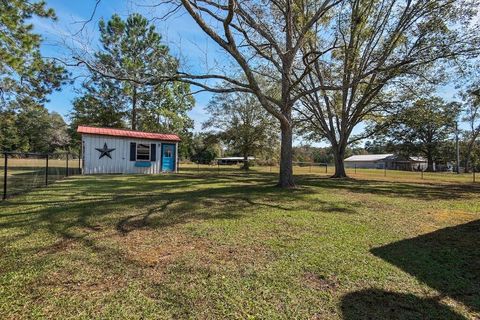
(143, 152)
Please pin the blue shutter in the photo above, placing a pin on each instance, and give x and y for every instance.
(153, 152)
(133, 151)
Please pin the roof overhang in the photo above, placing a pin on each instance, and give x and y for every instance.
(122, 133)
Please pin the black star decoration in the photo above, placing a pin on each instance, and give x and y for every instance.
(105, 151)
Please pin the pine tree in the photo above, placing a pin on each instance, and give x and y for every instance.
(133, 48)
(26, 78)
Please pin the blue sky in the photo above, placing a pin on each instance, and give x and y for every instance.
(181, 33)
(184, 38)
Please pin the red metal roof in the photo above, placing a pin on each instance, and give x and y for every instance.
(127, 133)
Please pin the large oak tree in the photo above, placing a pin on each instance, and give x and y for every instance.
(471, 115)
(263, 39)
(381, 48)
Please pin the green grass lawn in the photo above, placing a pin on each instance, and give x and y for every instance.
(193, 246)
(315, 169)
(26, 174)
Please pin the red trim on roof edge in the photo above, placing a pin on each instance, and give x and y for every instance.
(127, 133)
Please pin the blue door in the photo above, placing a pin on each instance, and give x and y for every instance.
(168, 157)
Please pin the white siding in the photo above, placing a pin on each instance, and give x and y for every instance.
(364, 164)
(120, 162)
(176, 157)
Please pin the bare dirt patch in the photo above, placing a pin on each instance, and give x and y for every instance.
(445, 218)
(320, 282)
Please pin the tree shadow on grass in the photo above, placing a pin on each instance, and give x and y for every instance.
(127, 203)
(374, 304)
(87, 211)
(447, 260)
(423, 191)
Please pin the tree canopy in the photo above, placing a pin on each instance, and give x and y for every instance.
(133, 47)
(263, 39)
(26, 79)
(336, 63)
(379, 53)
(243, 125)
(423, 127)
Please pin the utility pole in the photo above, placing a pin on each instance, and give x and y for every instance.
(457, 146)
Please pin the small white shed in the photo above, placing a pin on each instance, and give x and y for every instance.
(107, 150)
(368, 161)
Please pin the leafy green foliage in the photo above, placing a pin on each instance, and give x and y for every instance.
(471, 116)
(133, 48)
(26, 79)
(33, 129)
(307, 153)
(243, 125)
(203, 148)
(101, 105)
(380, 52)
(23, 71)
(423, 127)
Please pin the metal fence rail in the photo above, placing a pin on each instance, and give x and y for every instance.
(327, 170)
(21, 172)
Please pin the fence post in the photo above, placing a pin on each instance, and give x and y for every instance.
(355, 168)
(385, 171)
(326, 167)
(66, 169)
(422, 173)
(473, 171)
(46, 170)
(5, 168)
(310, 167)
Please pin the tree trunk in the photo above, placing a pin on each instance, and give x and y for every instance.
(246, 165)
(429, 163)
(286, 170)
(467, 165)
(134, 109)
(339, 164)
(467, 158)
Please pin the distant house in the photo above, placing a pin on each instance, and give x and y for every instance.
(412, 163)
(107, 150)
(388, 161)
(232, 160)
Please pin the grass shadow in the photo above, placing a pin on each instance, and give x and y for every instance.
(421, 191)
(375, 304)
(447, 260)
(91, 200)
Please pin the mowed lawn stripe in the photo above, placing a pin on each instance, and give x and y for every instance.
(233, 246)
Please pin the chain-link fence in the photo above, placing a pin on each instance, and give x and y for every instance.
(326, 170)
(233, 168)
(21, 172)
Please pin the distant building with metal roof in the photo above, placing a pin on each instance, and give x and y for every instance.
(232, 160)
(369, 157)
(386, 161)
